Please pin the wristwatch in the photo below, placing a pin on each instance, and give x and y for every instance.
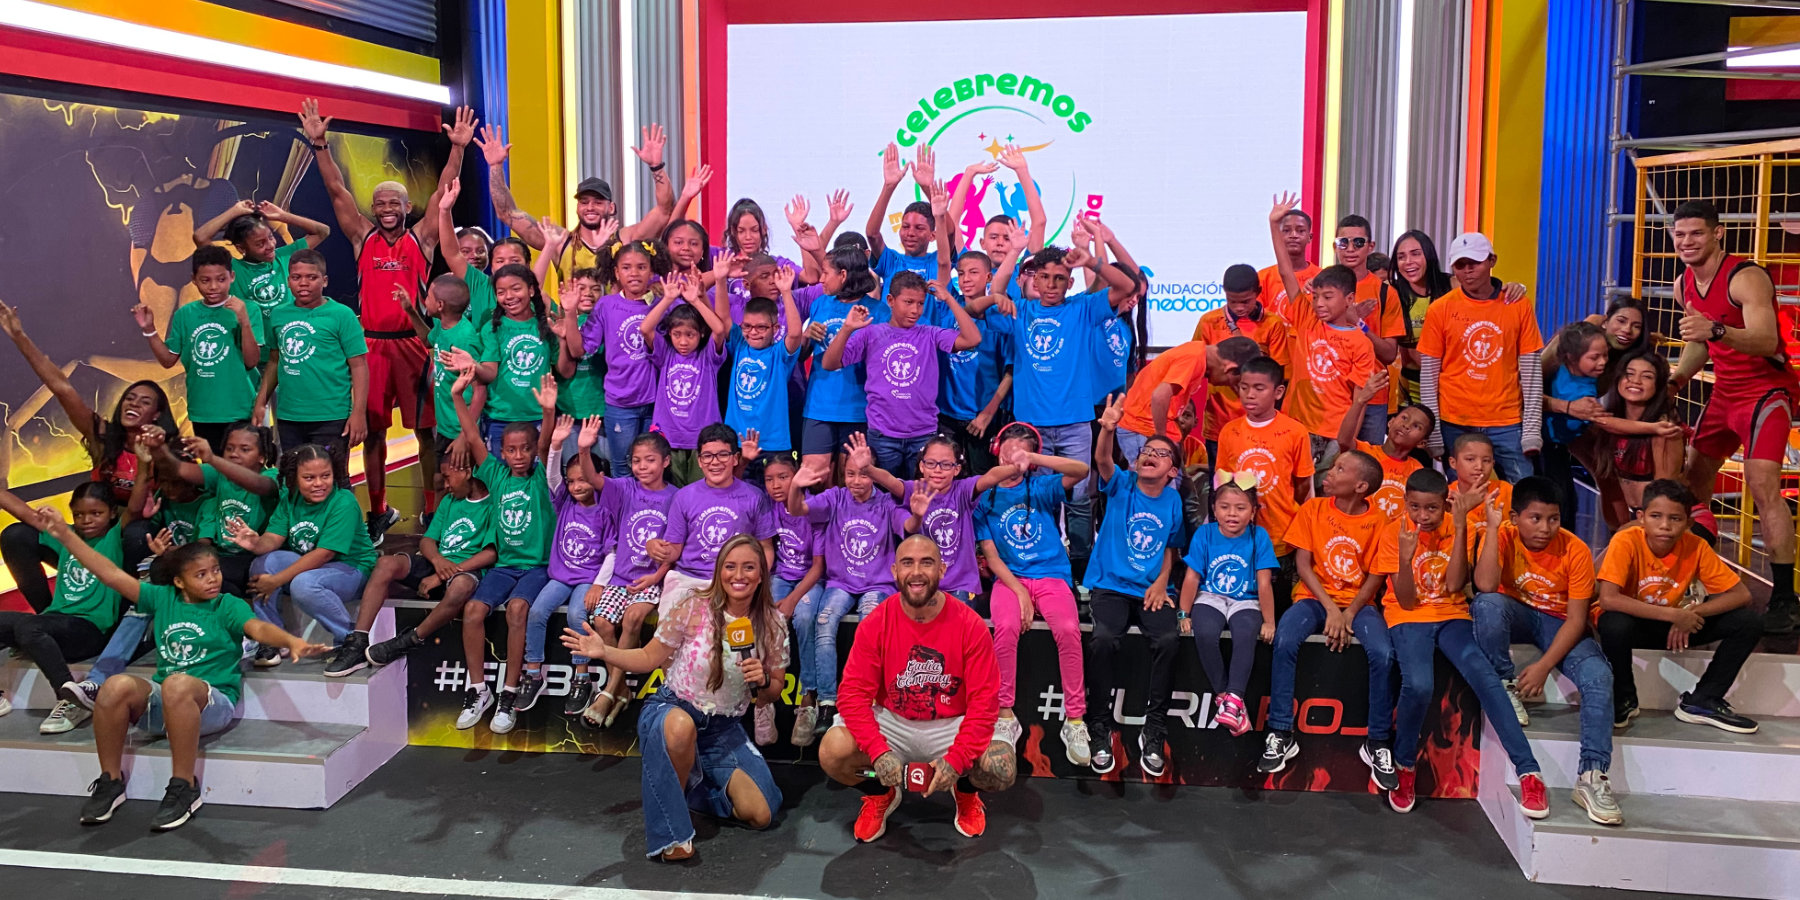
(1180, 614)
(1718, 332)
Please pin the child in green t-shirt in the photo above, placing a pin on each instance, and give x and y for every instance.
(315, 545)
(259, 272)
(318, 371)
(216, 341)
(517, 346)
(199, 635)
(580, 377)
(83, 609)
(449, 331)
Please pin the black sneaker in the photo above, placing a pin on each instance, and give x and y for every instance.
(578, 697)
(1379, 757)
(827, 716)
(104, 796)
(1623, 713)
(393, 648)
(380, 522)
(1783, 616)
(1717, 713)
(1150, 752)
(267, 657)
(1278, 748)
(178, 805)
(351, 656)
(530, 685)
(1100, 755)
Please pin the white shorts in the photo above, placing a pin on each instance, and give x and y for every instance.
(676, 587)
(912, 741)
(1226, 606)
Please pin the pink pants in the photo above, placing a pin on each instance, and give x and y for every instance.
(1056, 603)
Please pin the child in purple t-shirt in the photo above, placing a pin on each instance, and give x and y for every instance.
(687, 346)
(613, 326)
(796, 582)
(945, 512)
(639, 509)
(706, 514)
(901, 359)
(859, 556)
(579, 554)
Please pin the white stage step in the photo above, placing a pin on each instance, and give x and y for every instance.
(302, 740)
(1660, 754)
(1768, 685)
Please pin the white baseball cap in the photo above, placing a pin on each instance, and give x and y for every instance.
(1473, 246)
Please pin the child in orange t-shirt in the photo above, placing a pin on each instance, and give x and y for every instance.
(1378, 304)
(1334, 539)
(1662, 587)
(1472, 462)
(1243, 315)
(1331, 344)
(1425, 556)
(1273, 447)
(1534, 581)
(1399, 452)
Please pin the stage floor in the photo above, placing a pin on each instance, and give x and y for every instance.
(511, 825)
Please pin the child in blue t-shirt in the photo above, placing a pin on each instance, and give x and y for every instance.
(1229, 582)
(1571, 397)
(762, 369)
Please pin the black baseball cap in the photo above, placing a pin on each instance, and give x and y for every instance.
(596, 186)
(1240, 278)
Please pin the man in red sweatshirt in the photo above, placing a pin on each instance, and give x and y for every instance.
(921, 687)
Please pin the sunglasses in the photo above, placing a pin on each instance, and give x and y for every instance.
(1351, 243)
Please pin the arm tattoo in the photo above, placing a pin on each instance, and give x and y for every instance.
(996, 768)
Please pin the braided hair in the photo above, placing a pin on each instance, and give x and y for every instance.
(539, 310)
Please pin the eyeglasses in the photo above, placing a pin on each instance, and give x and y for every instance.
(1351, 243)
(717, 455)
(1156, 453)
(937, 465)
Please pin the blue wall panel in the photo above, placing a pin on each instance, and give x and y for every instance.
(1572, 220)
(485, 53)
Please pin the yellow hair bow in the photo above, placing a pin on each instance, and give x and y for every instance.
(1245, 480)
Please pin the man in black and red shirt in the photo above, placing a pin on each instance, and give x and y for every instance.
(921, 687)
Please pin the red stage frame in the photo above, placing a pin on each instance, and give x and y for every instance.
(716, 15)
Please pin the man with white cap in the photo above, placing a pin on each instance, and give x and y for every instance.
(1480, 370)
(390, 257)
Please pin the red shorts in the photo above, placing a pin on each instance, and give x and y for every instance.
(1759, 424)
(397, 368)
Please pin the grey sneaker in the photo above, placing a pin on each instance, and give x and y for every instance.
(476, 701)
(764, 714)
(1594, 793)
(5, 704)
(1512, 693)
(65, 716)
(806, 723)
(1007, 730)
(1075, 743)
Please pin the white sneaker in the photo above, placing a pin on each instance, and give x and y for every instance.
(63, 717)
(1594, 793)
(5, 705)
(765, 724)
(1007, 729)
(1512, 693)
(505, 716)
(476, 702)
(1075, 743)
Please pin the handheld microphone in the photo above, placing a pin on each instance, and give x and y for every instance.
(740, 636)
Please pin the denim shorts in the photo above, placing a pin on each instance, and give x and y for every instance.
(502, 583)
(818, 437)
(218, 715)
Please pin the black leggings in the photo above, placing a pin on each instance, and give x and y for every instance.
(1246, 630)
(52, 639)
(1113, 613)
(26, 558)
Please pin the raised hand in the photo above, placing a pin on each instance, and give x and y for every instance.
(1076, 257)
(1694, 325)
(464, 379)
(940, 199)
(161, 542)
(564, 425)
(925, 165)
(784, 278)
(838, 206)
(457, 359)
(198, 448)
(696, 181)
(1378, 382)
(750, 445)
(857, 451)
(809, 477)
(858, 318)
(9, 320)
(144, 316)
(891, 169)
(797, 210)
(651, 141)
(311, 124)
(1283, 204)
(462, 129)
(447, 200)
(1408, 540)
(494, 148)
(808, 239)
(1013, 158)
(1114, 411)
(609, 226)
(1493, 512)
(1099, 230)
(921, 499)
(590, 433)
(50, 522)
(554, 235)
(984, 167)
(545, 392)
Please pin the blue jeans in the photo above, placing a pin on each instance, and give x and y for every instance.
(554, 596)
(1131, 443)
(805, 613)
(833, 606)
(1500, 620)
(121, 649)
(899, 456)
(218, 714)
(1374, 424)
(1414, 643)
(721, 748)
(1074, 442)
(1307, 618)
(1509, 457)
(623, 425)
(320, 593)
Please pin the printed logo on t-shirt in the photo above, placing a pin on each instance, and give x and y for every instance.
(900, 364)
(1483, 342)
(751, 375)
(630, 338)
(265, 290)
(1259, 460)
(1143, 539)
(1657, 589)
(642, 527)
(515, 516)
(580, 545)
(681, 384)
(1322, 362)
(525, 357)
(1431, 570)
(1228, 574)
(923, 685)
(941, 523)
(303, 536)
(1044, 343)
(1342, 559)
(860, 541)
(211, 344)
(233, 508)
(714, 526)
(457, 535)
(297, 344)
(1388, 498)
(74, 578)
(790, 548)
(181, 644)
(181, 531)
(1115, 341)
(1536, 587)
(1020, 529)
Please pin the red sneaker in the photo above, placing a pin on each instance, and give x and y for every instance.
(971, 815)
(1401, 798)
(871, 823)
(1533, 799)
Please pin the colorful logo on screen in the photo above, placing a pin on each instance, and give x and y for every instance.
(986, 113)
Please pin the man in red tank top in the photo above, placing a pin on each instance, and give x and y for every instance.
(1728, 306)
(391, 259)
